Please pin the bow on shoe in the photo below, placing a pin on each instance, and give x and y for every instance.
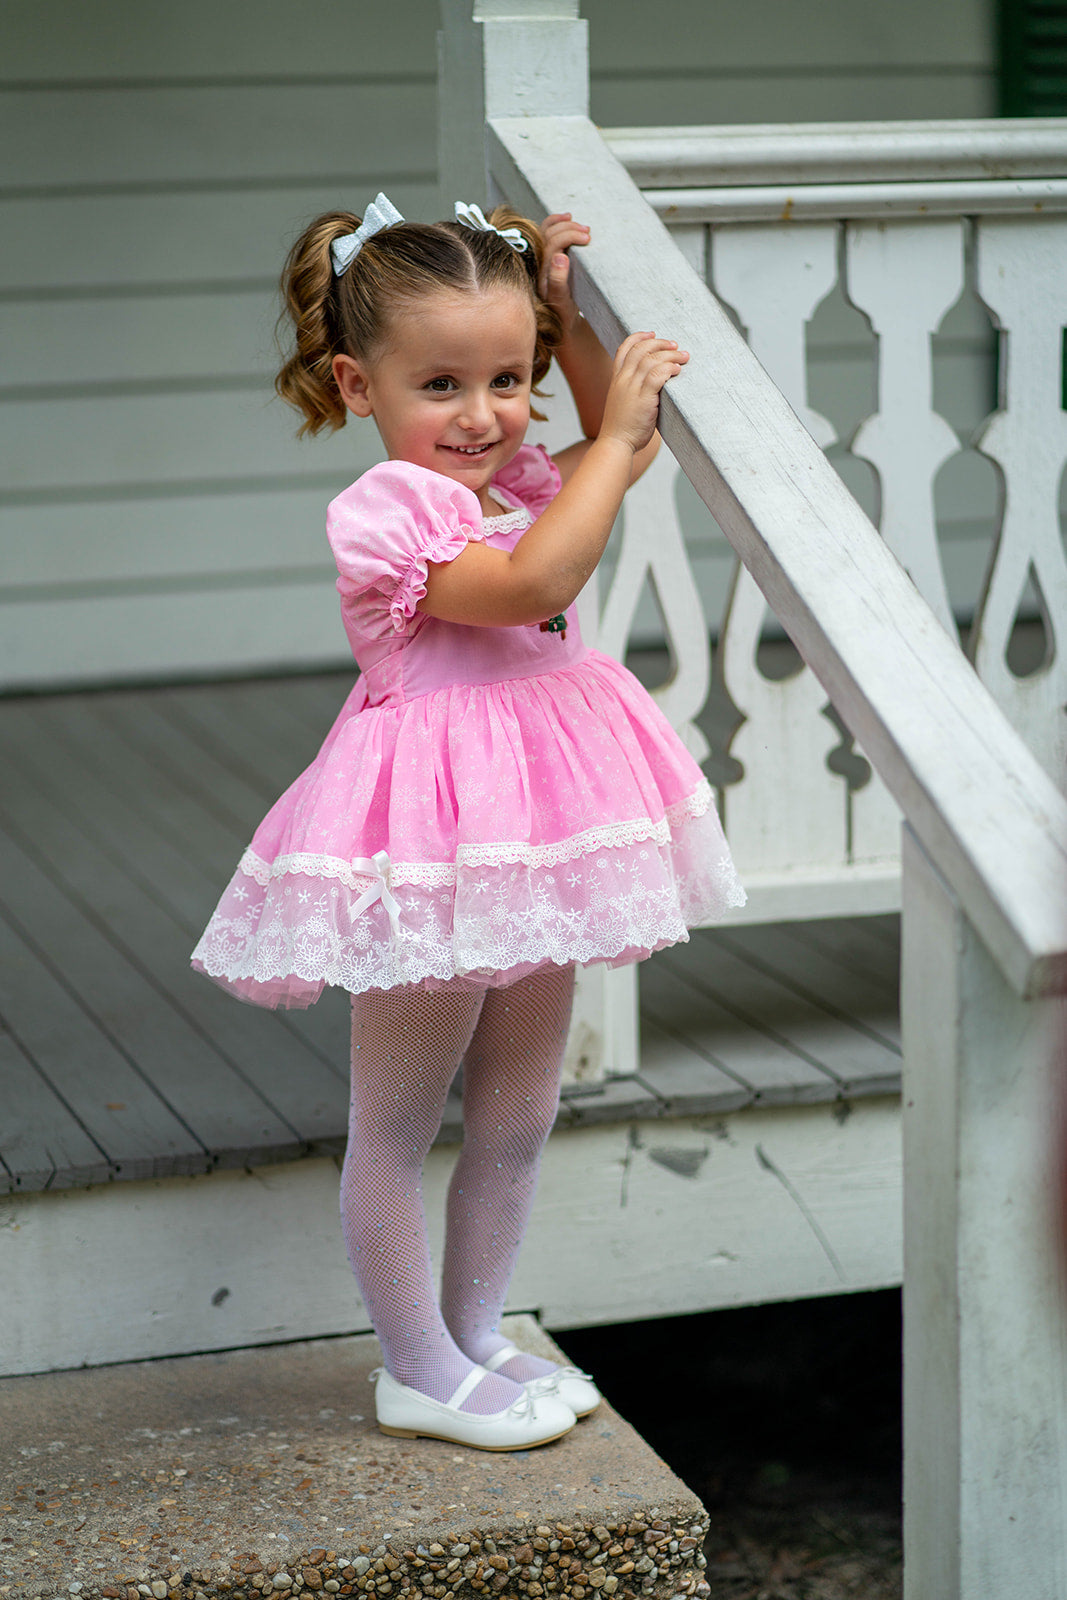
(551, 1381)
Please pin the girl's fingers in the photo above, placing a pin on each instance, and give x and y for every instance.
(555, 283)
(646, 351)
(561, 225)
(643, 365)
(560, 233)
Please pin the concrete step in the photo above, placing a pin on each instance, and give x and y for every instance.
(261, 1472)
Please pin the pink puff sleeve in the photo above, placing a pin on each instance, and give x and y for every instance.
(384, 530)
(532, 477)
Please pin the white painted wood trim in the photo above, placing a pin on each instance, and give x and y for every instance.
(985, 1315)
(516, 57)
(985, 810)
(810, 201)
(859, 890)
(632, 1220)
(843, 152)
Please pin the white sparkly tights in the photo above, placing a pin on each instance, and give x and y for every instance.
(406, 1047)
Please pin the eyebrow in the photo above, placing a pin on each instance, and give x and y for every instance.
(423, 374)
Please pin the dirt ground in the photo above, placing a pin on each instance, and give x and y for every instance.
(785, 1420)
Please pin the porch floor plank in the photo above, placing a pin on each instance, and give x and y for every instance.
(674, 995)
(297, 1091)
(117, 1001)
(829, 1040)
(123, 815)
(89, 746)
(87, 1090)
(39, 1138)
(855, 997)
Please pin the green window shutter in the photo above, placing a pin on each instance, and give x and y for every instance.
(1033, 58)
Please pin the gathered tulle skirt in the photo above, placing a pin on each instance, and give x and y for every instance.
(476, 832)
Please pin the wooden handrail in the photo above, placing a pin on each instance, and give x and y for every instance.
(813, 153)
(985, 810)
(768, 173)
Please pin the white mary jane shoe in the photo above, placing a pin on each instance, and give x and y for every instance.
(570, 1384)
(408, 1414)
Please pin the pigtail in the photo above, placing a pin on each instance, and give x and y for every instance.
(309, 292)
(549, 327)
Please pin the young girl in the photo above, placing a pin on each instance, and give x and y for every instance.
(495, 802)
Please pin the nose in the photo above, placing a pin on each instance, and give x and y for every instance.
(477, 413)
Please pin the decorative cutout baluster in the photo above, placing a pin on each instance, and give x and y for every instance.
(653, 546)
(903, 277)
(1021, 280)
(789, 811)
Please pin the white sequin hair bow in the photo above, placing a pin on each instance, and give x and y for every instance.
(471, 217)
(381, 213)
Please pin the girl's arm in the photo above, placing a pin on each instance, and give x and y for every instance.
(582, 358)
(549, 566)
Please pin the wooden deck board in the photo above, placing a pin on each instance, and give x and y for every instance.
(768, 1068)
(220, 784)
(683, 1078)
(299, 1092)
(854, 997)
(79, 1067)
(833, 1043)
(100, 804)
(42, 1145)
(123, 816)
(85, 739)
(260, 735)
(118, 1001)
(91, 741)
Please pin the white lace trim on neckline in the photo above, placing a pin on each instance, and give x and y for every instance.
(505, 521)
(437, 874)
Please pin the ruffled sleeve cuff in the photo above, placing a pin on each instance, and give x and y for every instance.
(412, 586)
(385, 530)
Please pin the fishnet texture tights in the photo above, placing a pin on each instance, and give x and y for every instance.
(407, 1045)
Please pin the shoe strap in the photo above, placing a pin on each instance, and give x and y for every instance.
(467, 1387)
(504, 1354)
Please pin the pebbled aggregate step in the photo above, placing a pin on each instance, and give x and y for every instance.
(260, 1472)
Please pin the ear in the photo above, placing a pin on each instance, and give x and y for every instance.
(353, 381)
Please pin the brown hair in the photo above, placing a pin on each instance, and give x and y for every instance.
(349, 315)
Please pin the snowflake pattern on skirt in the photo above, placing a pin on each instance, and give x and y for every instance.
(489, 800)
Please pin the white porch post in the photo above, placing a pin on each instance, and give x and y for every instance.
(519, 58)
(985, 1358)
(503, 58)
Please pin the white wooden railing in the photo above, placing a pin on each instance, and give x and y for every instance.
(985, 863)
(904, 222)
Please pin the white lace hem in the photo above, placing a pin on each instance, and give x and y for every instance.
(281, 942)
(440, 874)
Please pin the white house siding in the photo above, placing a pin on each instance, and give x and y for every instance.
(158, 517)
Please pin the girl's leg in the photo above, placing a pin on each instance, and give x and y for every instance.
(406, 1046)
(510, 1095)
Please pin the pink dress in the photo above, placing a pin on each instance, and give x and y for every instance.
(489, 800)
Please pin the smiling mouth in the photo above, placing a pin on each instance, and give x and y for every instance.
(471, 451)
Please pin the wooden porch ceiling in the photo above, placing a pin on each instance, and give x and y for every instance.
(122, 815)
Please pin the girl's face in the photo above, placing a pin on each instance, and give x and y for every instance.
(450, 388)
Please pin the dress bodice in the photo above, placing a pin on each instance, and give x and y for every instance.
(438, 655)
